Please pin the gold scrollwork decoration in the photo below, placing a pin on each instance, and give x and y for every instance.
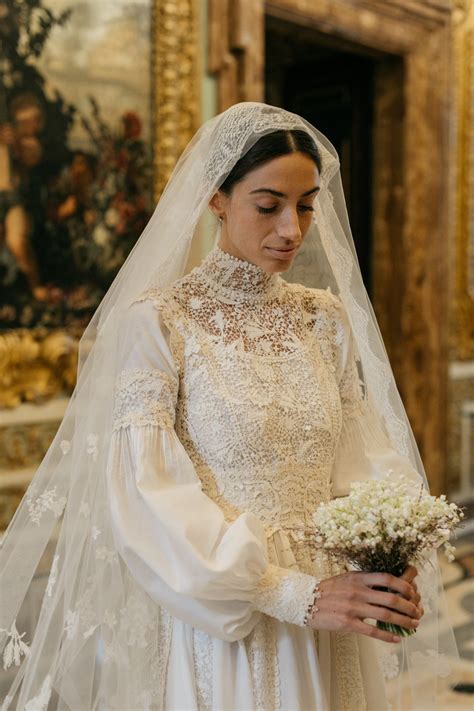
(35, 365)
(461, 10)
(175, 94)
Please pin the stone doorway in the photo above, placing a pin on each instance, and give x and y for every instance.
(333, 88)
(412, 169)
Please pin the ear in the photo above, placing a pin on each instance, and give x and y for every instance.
(217, 203)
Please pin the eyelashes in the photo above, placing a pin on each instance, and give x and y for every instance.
(268, 210)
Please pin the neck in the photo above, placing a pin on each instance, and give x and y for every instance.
(236, 280)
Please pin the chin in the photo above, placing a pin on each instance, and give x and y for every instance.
(277, 263)
(280, 267)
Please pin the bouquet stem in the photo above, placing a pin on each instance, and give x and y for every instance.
(395, 629)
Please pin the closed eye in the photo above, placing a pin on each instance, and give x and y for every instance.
(267, 210)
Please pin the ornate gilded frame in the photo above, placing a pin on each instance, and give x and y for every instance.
(37, 364)
(463, 332)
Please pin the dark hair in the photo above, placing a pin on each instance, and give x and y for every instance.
(272, 145)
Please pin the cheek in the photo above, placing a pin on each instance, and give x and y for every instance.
(254, 223)
(305, 222)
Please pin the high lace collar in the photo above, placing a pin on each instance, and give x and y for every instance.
(234, 280)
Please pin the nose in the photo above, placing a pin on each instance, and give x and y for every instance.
(289, 226)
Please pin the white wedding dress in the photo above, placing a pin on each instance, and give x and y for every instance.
(236, 415)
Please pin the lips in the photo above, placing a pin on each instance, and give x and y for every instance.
(283, 253)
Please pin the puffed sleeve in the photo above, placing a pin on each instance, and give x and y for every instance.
(364, 449)
(173, 538)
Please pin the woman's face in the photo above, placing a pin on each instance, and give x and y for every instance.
(269, 212)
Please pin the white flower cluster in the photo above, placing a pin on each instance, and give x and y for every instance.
(385, 519)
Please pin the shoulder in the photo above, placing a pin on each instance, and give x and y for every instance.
(158, 303)
(319, 302)
(164, 297)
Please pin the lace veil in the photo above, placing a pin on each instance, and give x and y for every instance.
(76, 631)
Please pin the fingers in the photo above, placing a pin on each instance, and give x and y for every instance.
(394, 602)
(374, 632)
(347, 600)
(385, 580)
(410, 573)
(383, 614)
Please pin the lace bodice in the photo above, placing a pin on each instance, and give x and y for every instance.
(258, 407)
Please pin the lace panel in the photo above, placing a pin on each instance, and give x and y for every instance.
(202, 656)
(264, 667)
(240, 122)
(348, 673)
(258, 408)
(285, 594)
(145, 397)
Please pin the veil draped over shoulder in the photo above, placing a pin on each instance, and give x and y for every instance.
(76, 630)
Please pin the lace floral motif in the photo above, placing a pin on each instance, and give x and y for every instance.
(258, 409)
(203, 651)
(92, 446)
(351, 389)
(71, 624)
(52, 576)
(83, 618)
(261, 649)
(136, 622)
(238, 124)
(65, 446)
(47, 501)
(259, 413)
(40, 701)
(279, 590)
(390, 665)
(348, 672)
(145, 397)
(15, 648)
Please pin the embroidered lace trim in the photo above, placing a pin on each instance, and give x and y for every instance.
(145, 397)
(235, 280)
(264, 667)
(202, 656)
(285, 594)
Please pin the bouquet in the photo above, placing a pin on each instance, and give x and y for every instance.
(382, 528)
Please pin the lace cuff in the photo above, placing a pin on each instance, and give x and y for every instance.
(285, 594)
(145, 397)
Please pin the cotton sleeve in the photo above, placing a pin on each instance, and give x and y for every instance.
(173, 538)
(364, 450)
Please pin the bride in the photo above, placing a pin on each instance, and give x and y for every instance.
(215, 409)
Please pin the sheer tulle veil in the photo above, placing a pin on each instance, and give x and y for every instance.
(76, 631)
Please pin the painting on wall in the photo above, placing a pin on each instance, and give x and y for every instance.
(98, 98)
(76, 185)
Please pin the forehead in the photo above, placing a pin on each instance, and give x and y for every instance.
(296, 169)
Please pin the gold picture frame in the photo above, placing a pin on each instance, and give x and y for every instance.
(463, 332)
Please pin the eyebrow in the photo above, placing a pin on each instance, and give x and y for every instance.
(278, 194)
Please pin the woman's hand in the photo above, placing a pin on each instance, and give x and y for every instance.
(409, 574)
(348, 599)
